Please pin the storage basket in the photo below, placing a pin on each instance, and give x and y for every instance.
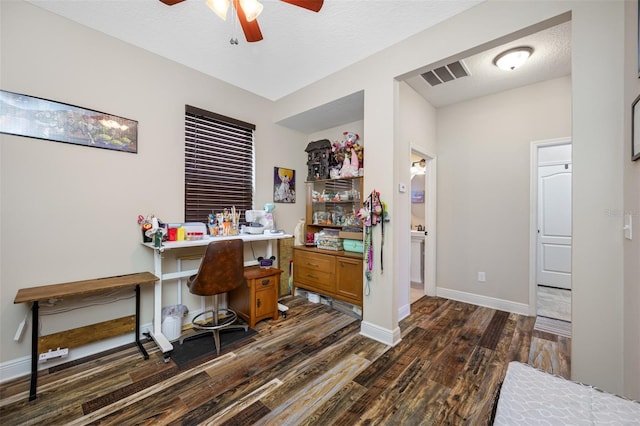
(328, 239)
(353, 245)
(330, 243)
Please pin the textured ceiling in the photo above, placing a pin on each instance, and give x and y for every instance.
(551, 58)
(299, 46)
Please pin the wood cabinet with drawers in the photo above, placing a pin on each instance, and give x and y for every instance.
(258, 299)
(337, 274)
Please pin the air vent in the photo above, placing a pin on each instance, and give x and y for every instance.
(450, 72)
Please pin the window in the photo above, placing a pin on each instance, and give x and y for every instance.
(218, 164)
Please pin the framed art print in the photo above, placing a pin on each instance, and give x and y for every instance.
(417, 197)
(284, 185)
(24, 115)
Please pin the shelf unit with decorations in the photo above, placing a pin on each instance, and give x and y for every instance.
(332, 204)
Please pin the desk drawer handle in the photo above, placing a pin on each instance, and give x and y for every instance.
(312, 264)
(312, 276)
(266, 282)
(259, 303)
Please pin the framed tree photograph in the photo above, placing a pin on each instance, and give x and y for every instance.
(284, 185)
(24, 115)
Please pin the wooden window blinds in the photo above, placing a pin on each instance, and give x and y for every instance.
(219, 164)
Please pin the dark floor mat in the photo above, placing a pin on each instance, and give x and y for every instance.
(201, 348)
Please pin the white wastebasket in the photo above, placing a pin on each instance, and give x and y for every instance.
(172, 327)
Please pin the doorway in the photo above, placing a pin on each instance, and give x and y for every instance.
(423, 225)
(551, 229)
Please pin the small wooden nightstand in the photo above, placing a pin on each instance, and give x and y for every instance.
(257, 300)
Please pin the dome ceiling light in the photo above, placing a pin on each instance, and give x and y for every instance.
(511, 59)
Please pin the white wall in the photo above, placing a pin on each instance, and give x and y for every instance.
(631, 206)
(417, 130)
(598, 145)
(417, 120)
(484, 174)
(69, 212)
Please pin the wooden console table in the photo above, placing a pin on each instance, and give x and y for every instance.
(35, 294)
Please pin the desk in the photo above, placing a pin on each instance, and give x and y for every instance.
(35, 294)
(170, 246)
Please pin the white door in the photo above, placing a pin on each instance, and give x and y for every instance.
(554, 225)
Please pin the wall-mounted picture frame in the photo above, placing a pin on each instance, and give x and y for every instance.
(417, 197)
(32, 117)
(635, 130)
(284, 185)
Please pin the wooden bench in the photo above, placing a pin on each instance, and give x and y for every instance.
(35, 294)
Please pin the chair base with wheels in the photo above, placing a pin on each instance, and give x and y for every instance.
(220, 319)
(221, 270)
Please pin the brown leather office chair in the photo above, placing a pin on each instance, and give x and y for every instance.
(221, 270)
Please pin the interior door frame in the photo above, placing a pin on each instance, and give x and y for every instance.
(430, 247)
(533, 216)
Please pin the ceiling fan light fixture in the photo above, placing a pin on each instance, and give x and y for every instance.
(251, 8)
(513, 58)
(219, 7)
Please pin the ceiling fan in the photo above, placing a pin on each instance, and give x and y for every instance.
(248, 11)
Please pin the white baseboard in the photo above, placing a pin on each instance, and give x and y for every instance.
(404, 312)
(489, 302)
(379, 334)
(22, 366)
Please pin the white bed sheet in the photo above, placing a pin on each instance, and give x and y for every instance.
(532, 397)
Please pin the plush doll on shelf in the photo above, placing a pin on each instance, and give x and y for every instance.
(345, 170)
(350, 166)
(348, 148)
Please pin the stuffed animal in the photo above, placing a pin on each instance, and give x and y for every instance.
(350, 139)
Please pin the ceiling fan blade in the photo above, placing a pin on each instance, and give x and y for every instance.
(171, 2)
(251, 29)
(314, 5)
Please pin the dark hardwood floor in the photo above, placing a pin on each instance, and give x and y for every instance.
(312, 368)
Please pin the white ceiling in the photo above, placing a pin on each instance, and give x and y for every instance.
(301, 47)
(551, 58)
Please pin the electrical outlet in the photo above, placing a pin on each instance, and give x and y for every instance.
(482, 277)
(58, 353)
